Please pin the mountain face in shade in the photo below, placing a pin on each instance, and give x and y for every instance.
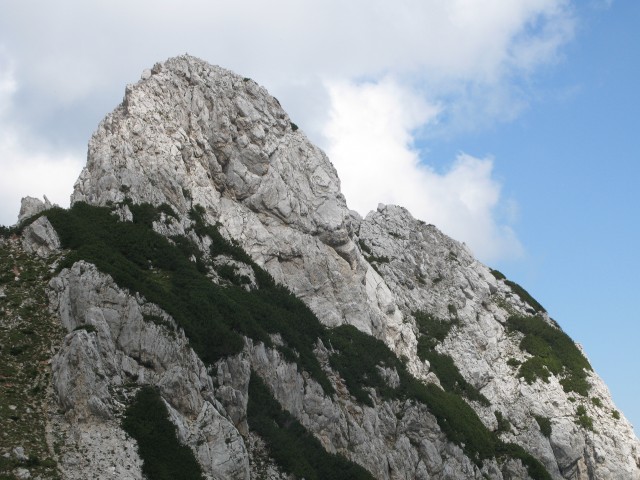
(226, 315)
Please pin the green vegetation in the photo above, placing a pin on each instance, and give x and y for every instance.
(146, 213)
(582, 419)
(164, 458)
(292, 446)
(365, 248)
(597, 402)
(27, 334)
(166, 324)
(521, 292)
(230, 273)
(497, 274)
(432, 332)
(504, 425)
(87, 327)
(450, 377)
(585, 421)
(432, 329)
(356, 357)
(370, 257)
(525, 296)
(5, 232)
(534, 467)
(214, 318)
(545, 425)
(615, 414)
(294, 127)
(553, 353)
(512, 362)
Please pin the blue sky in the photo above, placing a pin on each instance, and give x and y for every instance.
(511, 125)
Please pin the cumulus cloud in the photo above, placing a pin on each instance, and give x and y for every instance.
(462, 63)
(370, 141)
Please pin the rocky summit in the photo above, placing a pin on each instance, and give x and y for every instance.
(209, 308)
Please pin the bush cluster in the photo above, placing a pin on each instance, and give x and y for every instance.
(552, 353)
(545, 425)
(518, 290)
(504, 425)
(525, 296)
(146, 419)
(583, 419)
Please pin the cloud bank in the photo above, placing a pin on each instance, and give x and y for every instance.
(409, 70)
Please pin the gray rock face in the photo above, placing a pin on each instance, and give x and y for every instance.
(31, 206)
(192, 134)
(110, 346)
(40, 238)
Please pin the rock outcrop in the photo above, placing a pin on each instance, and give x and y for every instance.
(190, 135)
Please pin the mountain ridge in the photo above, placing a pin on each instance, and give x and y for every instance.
(220, 152)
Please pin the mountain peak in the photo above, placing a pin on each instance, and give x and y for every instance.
(467, 376)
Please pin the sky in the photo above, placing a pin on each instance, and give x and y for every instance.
(509, 124)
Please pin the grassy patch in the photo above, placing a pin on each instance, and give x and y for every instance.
(450, 377)
(512, 362)
(433, 329)
(27, 333)
(164, 458)
(553, 353)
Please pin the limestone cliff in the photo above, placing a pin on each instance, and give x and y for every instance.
(210, 154)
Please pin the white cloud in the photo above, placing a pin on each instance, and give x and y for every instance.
(370, 143)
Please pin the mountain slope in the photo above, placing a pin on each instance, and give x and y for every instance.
(451, 370)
